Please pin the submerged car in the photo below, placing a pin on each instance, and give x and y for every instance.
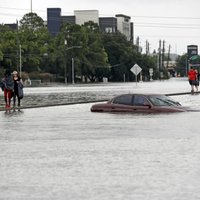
(140, 103)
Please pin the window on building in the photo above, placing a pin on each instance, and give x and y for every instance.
(108, 30)
(126, 20)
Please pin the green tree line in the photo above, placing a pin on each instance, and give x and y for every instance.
(95, 54)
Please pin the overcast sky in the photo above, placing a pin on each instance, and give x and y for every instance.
(175, 21)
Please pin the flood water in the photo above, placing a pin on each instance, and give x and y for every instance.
(67, 152)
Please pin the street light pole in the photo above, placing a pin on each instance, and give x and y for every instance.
(31, 7)
(65, 70)
(72, 63)
(72, 70)
(20, 60)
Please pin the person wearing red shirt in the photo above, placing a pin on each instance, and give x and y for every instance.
(192, 75)
(8, 87)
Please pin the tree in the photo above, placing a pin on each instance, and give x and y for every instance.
(85, 46)
(181, 67)
(34, 39)
(1, 53)
(122, 55)
(95, 56)
(32, 22)
(70, 42)
(8, 47)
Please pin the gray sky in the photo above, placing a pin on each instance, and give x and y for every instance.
(175, 21)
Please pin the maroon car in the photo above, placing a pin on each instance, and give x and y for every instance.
(140, 103)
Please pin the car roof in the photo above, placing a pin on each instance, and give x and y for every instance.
(135, 94)
(142, 94)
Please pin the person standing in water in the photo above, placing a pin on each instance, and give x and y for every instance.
(192, 74)
(197, 80)
(18, 86)
(8, 87)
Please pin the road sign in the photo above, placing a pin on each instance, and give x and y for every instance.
(136, 69)
(192, 50)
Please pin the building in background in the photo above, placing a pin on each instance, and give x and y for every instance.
(124, 25)
(68, 19)
(108, 24)
(82, 16)
(12, 26)
(54, 20)
(120, 22)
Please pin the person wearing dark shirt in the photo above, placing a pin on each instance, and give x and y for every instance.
(18, 85)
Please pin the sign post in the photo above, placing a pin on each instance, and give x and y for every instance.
(136, 69)
(151, 73)
(192, 50)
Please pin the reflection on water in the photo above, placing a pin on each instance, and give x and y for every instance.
(67, 152)
(14, 112)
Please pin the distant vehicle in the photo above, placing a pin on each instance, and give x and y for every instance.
(140, 103)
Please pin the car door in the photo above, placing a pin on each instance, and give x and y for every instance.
(123, 103)
(141, 104)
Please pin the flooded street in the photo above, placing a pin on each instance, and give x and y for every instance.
(67, 152)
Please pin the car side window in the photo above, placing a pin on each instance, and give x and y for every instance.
(124, 99)
(140, 100)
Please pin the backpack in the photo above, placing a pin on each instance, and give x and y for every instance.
(20, 90)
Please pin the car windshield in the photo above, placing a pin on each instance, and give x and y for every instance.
(163, 100)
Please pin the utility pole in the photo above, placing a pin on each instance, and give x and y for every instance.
(133, 34)
(159, 58)
(31, 7)
(138, 43)
(163, 54)
(168, 56)
(147, 47)
(72, 70)
(20, 60)
(19, 53)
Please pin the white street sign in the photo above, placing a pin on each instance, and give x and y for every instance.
(136, 69)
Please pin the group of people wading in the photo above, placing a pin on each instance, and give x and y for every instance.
(12, 87)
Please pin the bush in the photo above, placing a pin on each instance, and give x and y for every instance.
(44, 77)
(1, 73)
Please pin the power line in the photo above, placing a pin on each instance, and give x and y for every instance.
(171, 36)
(161, 24)
(165, 17)
(20, 9)
(175, 27)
